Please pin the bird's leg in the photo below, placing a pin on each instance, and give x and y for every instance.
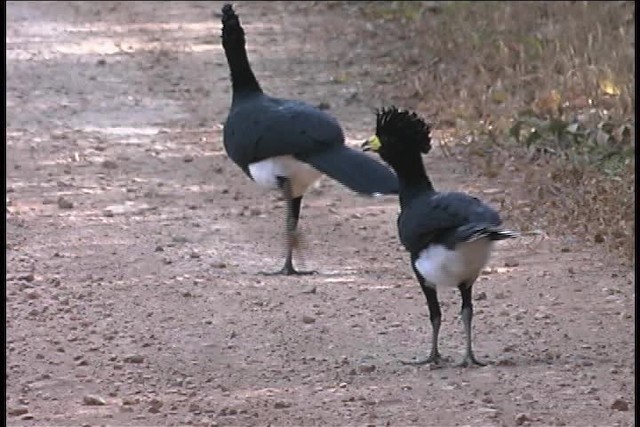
(292, 238)
(467, 316)
(435, 315)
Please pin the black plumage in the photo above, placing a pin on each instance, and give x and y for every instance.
(288, 144)
(448, 235)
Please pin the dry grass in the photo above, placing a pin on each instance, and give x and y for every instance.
(563, 69)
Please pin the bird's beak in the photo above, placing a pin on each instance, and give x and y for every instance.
(371, 144)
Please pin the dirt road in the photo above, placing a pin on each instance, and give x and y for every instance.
(133, 246)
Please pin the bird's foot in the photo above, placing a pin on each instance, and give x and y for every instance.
(288, 270)
(470, 360)
(434, 359)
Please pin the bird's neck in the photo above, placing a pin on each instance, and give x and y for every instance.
(242, 78)
(413, 180)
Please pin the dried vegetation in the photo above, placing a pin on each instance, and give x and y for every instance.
(542, 93)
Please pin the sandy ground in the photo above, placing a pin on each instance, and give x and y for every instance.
(133, 249)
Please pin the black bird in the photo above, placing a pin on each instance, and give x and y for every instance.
(286, 144)
(448, 235)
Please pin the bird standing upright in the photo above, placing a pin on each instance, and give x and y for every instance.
(449, 235)
(286, 144)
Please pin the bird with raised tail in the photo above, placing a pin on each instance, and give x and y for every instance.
(287, 145)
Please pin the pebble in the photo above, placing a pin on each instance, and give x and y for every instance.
(109, 164)
(511, 263)
(128, 207)
(481, 296)
(130, 401)
(155, 405)
(499, 295)
(133, 358)
(366, 368)
(31, 294)
(17, 410)
(280, 404)
(93, 400)
(308, 319)
(620, 405)
(522, 418)
(64, 203)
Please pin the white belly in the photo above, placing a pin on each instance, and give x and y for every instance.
(442, 267)
(300, 174)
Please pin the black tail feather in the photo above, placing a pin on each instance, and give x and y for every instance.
(355, 170)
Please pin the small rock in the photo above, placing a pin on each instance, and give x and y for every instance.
(27, 417)
(492, 191)
(31, 294)
(155, 405)
(93, 400)
(187, 159)
(134, 358)
(128, 401)
(308, 319)
(281, 404)
(365, 369)
(540, 315)
(511, 263)
(324, 106)
(64, 203)
(506, 362)
(598, 238)
(620, 405)
(480, 296)
(109, 164)
(522, 418)
(194, 254)
(311, 290)
(17, 410)
(194, 407)
(128, 207)
(101, 62)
